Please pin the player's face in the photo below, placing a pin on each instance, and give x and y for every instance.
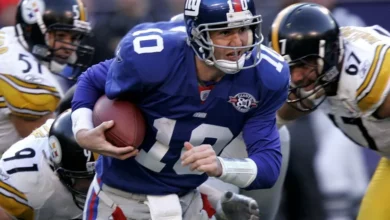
(304, 75)
(63, 44)
(236, 37)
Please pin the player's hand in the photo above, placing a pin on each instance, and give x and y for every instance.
(95, 141)
(201, 158)
(233, 206)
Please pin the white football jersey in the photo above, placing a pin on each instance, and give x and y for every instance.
(29, 188)
(27, 88)
(363, 87)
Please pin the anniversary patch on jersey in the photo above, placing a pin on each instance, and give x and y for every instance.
(243, 102)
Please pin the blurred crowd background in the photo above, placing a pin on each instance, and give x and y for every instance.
(328, 174)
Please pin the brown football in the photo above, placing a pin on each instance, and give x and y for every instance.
(129, 124)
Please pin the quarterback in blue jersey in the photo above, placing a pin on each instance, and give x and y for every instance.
(198, 90)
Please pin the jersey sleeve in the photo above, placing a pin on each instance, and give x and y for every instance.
(24, 182)
(28, 99)
(123, 78)
(90, 86)
(260, 133)
(15, 202)
(144, 60)
(24, 88)
(376, 84)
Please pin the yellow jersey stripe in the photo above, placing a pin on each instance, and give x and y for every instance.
(12, 190)
(83, 15)
(15, 208)
(3, 50)
(28, 110)
(30, 85)
(30, 103)
(370, 73)
(378, 87)
(3, 104)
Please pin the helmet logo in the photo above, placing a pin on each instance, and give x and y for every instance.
(237, 5)
(30, 9)
(192, 7)
(55, 149)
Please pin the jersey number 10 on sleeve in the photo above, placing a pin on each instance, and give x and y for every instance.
(158, 43)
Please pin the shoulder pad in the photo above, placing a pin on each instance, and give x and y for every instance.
(152, 53)
(7, 38)
(164, 25)
(28, 88)
(273, 71)
(43, 131)
(364, 78)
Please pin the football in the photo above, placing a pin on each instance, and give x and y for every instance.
(129, 124)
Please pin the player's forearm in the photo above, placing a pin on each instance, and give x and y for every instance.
(259, 171)
(256, 172)
(5, 216)
(24, 126)
(268, 164)
(89, 88)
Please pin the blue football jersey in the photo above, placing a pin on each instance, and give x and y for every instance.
(155, 68)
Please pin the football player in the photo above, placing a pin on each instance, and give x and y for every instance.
(344, 71)
(268, 200)
(198, 90)
(45, 39)
(46, 175)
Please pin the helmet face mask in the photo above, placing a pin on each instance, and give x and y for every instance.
(41, 22)
(77, 182)
(310, 86)
(64, 47)
(216, 16)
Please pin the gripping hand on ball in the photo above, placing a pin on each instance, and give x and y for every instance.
(95, 141)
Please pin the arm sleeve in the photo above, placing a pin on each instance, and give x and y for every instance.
(15, 202)
(90, 86)
(261, 136)
(27, 99)
(123, 79)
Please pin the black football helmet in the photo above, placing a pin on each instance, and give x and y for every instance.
(35, 19)
(71, 162)
(307, 32)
